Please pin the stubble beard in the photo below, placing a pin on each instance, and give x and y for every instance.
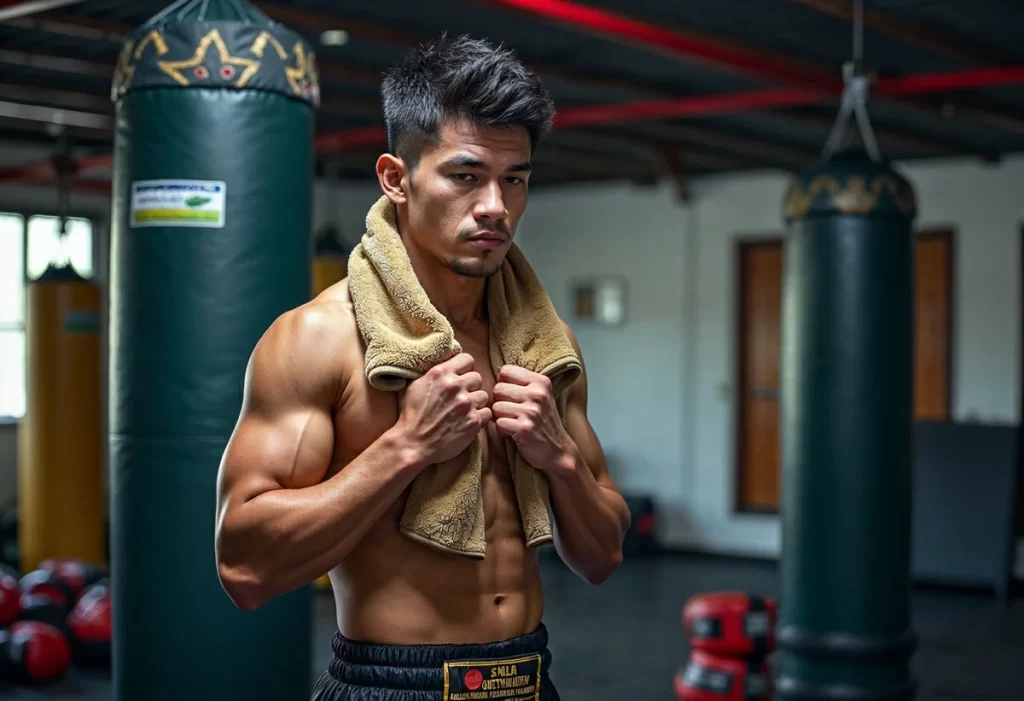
(483, 268)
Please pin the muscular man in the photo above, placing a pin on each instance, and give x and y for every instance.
(314, 477)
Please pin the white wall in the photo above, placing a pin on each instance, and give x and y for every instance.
(662, 385)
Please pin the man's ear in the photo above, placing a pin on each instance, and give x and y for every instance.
(392, 174)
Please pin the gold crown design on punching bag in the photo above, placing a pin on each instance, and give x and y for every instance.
(212, 62)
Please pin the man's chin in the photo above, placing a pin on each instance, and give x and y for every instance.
(475, 268)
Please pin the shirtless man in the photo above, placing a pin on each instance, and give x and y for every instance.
(314, 477)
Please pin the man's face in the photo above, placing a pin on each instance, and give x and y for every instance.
(466, 195)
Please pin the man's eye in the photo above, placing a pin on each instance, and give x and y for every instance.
(514, 180)
(463, 176)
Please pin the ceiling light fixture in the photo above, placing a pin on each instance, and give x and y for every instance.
(334, 37)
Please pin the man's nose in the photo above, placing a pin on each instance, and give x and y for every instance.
(491, 204)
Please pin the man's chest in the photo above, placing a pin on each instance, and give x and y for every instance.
(477, 347)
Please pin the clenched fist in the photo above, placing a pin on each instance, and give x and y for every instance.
(444, 410)
(524, 410)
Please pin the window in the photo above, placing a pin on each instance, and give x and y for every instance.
(44, 245)
(12, 316)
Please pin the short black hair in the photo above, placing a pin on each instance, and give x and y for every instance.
(460, 78)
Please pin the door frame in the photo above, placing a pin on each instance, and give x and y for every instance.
(744, 242)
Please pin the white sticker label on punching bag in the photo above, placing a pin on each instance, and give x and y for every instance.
(178, 203)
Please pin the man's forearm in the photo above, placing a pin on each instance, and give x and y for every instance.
(590, 520)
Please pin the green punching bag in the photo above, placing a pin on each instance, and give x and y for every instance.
(213, 187)
(845, 630)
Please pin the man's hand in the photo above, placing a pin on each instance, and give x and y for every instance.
(524, 410)
(444, 410)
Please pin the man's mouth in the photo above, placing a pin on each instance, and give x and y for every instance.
(487, 240)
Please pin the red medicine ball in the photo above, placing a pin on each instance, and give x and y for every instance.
(10, 601)
(90, 626)
(47, 585)
(710, 677)
(33, 652)
(78, 575)
(731, 623)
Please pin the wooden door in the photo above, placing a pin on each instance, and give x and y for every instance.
(759, 325)
(933, 305)
(760, 313)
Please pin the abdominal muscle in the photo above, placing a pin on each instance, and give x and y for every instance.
(394, 590)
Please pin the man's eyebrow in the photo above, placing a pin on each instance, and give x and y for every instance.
(463, 161)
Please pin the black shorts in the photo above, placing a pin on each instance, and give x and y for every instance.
(513, 670)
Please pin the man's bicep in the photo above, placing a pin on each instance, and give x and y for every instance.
(285, 436)
(289, 450)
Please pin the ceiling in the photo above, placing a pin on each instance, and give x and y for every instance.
(672, 53)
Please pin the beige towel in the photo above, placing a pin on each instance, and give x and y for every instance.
(405, 336)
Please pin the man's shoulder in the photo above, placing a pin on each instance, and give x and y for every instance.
(311, 326)
(320, 336)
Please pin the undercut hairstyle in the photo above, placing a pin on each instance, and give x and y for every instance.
(460, 79)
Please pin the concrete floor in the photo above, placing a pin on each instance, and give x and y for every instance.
(971, 649)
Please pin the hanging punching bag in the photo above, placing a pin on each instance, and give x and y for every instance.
(846, 412)
(60, 477)
(210, 243)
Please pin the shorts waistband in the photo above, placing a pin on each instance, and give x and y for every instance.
(421, 667)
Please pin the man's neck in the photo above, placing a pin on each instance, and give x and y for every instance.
(458, 298)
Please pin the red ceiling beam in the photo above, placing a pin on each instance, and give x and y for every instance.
(686, 44)
(698, 106)
(44, 171)
(13, 9)
(103, 188)
(346, 139)
(950, 82)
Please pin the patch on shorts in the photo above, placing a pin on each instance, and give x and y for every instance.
(513, 678)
